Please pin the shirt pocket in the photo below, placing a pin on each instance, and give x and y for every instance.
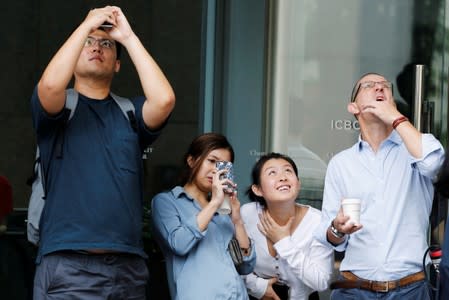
(127, 153)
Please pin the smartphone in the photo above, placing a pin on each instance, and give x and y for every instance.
(106, 25)
(226, 165)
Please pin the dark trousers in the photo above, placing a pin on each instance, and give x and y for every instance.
(66, 275)
(444, 281)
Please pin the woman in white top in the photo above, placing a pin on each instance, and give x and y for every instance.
(289, 260)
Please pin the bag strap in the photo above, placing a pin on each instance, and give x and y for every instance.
(69, 108)
(127, 108)
(71, 101)
(34, 171)
(124, 103)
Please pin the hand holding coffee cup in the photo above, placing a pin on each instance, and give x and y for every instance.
(351, 208)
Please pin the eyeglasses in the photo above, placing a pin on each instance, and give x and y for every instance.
(369, 85)
(104, 43)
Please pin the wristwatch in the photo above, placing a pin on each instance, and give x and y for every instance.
(335, 232)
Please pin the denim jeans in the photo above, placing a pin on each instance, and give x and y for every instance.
(444, 281)
(417, 291)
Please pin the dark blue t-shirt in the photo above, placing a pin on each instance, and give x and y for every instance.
(94, 169)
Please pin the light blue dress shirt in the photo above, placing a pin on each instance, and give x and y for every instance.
(198, 262)
(396, 191)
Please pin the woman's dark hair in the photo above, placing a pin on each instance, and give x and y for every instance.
(257, 170)
(442, 183)
(198, 150)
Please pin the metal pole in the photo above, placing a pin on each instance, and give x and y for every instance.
(418, 95)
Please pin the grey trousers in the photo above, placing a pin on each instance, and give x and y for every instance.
(67, 275)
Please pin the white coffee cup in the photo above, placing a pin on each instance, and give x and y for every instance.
(351, 208)
(225, 207)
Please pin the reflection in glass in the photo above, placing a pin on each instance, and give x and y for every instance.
(321, 47)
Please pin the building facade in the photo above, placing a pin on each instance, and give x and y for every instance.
(272, 75)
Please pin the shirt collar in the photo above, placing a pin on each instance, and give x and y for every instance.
(179, 192)
(392, 138)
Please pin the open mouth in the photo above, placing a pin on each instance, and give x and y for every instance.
(380, 98)
(283, 188)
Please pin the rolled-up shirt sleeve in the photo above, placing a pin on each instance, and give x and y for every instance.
(256, 286)
(432, 158)
(248, 261)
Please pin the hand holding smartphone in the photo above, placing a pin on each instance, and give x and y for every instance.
(106, 25)
(225, 207)
(229, 174)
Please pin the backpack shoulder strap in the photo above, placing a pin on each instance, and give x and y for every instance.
(36, 168)
(70, 104)
(127, 108)
(71, 101)
(124, 103)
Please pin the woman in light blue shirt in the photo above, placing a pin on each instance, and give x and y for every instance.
(193, 236)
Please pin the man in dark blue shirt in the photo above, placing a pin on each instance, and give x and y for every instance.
(90, 229)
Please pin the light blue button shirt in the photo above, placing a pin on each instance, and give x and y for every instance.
(396, 192)
(198, 263)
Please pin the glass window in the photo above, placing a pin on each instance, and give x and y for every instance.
(322, 47)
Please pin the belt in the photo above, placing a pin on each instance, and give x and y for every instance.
(352, 281)
(91, 253)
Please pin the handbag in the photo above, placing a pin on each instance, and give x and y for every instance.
(281, 290)
(236, 252)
